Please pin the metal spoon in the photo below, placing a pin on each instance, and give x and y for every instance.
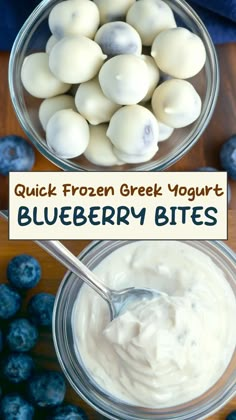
(117, 299)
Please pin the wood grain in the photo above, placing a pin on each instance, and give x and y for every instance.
(53, 272)
(204, 153)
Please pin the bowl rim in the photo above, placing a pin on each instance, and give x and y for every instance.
(207, 409)
(166, 162)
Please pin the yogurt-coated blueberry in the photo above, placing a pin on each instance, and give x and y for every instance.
(117, 38)
(134, 130)
(112, 10)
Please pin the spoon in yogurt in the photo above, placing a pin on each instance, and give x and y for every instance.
(117, 300)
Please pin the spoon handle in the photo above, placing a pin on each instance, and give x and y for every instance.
(69, 260)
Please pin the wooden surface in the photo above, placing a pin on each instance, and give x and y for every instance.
(52, 273)
(204, 153)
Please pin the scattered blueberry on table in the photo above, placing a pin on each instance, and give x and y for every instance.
(10, 301)
(23, 271)
(18, 367)
(22, 335)
(40, 309)
(68, 412)
(228, 156)
(16, 154)
(231, 416)
(47, 389)
(14, 407)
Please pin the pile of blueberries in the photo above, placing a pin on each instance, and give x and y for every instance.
(36, 393)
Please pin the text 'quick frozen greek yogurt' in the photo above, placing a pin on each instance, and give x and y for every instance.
(103, 56)
(164, 351)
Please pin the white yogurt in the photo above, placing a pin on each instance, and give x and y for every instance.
(164, 351)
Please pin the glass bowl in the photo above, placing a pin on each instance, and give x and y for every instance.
(33, 37)
(197, 409)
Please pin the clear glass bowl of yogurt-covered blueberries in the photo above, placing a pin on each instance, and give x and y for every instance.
(170, 357)
(113, 85)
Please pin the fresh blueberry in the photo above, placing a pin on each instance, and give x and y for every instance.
(47, 389)
(23, 271)
(1, 341)
(231, 416)
(211, 169)
(40, 309)
(16, 154)
(228, 157)
(22, 335)
(14, 407)
(18, 367)
(10, 301)
(68, 412)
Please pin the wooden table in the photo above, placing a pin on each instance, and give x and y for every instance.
(52, 273)
(204, 153)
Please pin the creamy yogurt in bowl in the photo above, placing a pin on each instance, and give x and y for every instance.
(168, 358)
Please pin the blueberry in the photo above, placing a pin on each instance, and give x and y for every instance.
(18, 367)
(23, 271)
(40, 309)
(117, 38)
(47, 389)
(10, 301)
(211, 169)
(231, 416)
(22, 335)
(14, 407)
(1, 341)
(16, 154)
(228, 157)
(68, 412)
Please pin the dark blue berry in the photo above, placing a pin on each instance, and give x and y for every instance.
(231, 416)
(23, 271)
(22, 335)
(10, 301)
(40, 308)
(68, 412)
(18, 367)
(211, 169)
(228, 157)
(16, 154)
(14, 407)
(47, 389)
(1, 341)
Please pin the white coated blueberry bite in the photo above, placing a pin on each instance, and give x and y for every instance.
(176, 103)
(134, 130)
(128, 158)
(165, 132)
(76, 59)
(38, 79)
(117, 38)
(112, 10)
(67, 134)
(149, 18)
(51, 105)
(92, 104)
(153, 76)
(124, 79)
(179, 53)
(100, 149)
(74, 17)
(50, 43)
